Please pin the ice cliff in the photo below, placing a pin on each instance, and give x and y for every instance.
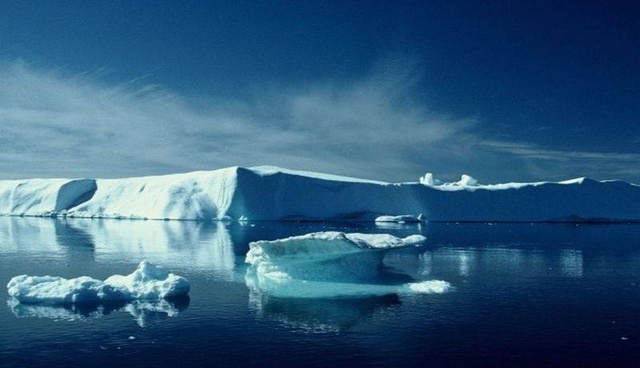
(269, 193)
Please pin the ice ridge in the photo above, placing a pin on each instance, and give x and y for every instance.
(268, 193)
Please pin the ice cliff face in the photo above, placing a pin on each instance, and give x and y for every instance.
(268, 193)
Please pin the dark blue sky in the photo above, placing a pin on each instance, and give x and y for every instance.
(509, 90)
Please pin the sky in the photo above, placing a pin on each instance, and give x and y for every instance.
(386, 90)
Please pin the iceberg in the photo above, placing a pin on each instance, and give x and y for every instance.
(429, 287)
(267, 193)
(328, 265)
(147, 282)
(401, 219)
(335, 256)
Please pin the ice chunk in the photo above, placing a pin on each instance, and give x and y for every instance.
(324, 265)
(150, 281)
(147, 282)
(401, 219)
(336, 255)
(429, 287)
(467, 180)
(428, 179)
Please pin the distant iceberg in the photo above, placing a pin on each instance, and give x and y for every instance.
(273, 194)
(401, 219)
(147, 282)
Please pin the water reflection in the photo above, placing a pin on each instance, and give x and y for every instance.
(415, 226)
(316, 290)
(319, 315)
(467, 255)
(474, 263)
(571, 263)
(200, 245)
(465, 258)
(78, 244)
(29, 235)
(145, 313)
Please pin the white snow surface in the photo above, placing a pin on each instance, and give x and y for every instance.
(429, 287)
(269, 193)
(147, 282)
(400, 219)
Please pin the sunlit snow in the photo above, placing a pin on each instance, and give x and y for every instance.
(147, 282)
(269, 193)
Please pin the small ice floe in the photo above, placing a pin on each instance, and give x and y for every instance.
(147, 282)
(401, 219)
(429, 287)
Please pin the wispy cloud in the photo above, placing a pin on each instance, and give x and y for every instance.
(54, 124)
(57, 124)
(556, 163)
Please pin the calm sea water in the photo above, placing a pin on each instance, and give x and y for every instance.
(525, 295)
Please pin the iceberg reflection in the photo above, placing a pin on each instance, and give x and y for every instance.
(202, 245)
(173, 243)
(319, 315)
(28, 235)
(328, 281)
(572, 263)
(144, 312)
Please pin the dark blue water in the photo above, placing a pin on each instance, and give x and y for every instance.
(525, 295)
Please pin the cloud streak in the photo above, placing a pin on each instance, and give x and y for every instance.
(57, 125)
(557, 164)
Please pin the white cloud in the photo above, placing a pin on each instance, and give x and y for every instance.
(557, 164)
(58, 125)
(54, 124)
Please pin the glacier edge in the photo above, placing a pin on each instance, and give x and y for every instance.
(272, 194)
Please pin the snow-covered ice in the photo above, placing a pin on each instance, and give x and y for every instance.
(275, 194)
(337, 256)
(465, 181)
(326, 264)
(147, 282)
(401, 219)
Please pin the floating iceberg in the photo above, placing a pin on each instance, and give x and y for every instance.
(429, 287)
(147, 282)
(336, 256)
(401, 219)
(326, 265)
(273, 194)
